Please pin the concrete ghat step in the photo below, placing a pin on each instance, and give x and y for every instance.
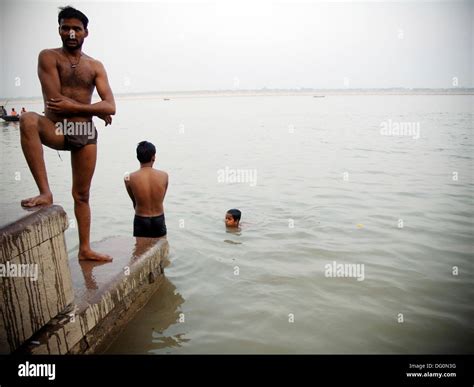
(107, 296)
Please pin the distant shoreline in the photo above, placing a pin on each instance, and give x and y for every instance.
(275, 93)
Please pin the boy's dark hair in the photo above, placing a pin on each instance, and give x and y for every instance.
(236, 214)
(145, 151)
(69, 12)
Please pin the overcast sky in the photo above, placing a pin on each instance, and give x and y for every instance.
(228, 44)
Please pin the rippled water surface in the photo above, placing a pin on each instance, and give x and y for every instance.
(329, 187)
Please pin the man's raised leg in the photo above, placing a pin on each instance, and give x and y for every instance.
(83, 165)
(36, 130)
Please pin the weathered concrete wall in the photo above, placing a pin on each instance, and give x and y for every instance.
(27, 303)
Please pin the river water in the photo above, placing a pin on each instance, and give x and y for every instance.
(380, 182)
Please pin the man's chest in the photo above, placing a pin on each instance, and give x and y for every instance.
(81, 75)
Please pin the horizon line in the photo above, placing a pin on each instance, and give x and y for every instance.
(469, 90)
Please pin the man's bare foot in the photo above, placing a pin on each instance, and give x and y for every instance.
(91, 255)
(40, 200)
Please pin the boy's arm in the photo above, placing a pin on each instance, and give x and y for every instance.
(129, 190)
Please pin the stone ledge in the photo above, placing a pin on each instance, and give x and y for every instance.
(107, 296)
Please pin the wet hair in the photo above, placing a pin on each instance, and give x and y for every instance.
(236, 214)
(145, 151)
(69, 12)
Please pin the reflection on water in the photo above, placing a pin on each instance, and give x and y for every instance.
(170, 314)
(237, 231)
(168, 341)
(232, 242)
(87, 269)
(161, 324)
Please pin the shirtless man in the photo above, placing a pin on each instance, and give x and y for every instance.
(68, 77)
(147, 189)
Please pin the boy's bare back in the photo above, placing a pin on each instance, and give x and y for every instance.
(148, 187)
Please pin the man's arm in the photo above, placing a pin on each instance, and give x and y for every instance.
(107, 105)
(49, 76)
(129, 190)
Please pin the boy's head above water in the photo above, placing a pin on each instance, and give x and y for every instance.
(146, 153)
(232, 218)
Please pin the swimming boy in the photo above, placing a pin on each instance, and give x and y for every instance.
(232, 218)
(147, 189)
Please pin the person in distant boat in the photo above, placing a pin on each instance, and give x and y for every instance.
(13, 112)
(3, 112)
(23, 110)
(232, 218)
(68, 78)
(147, 188)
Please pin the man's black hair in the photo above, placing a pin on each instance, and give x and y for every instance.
(236, 214)
(69, 12)
(145, 151)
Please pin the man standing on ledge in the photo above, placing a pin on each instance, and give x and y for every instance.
(68, 77)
